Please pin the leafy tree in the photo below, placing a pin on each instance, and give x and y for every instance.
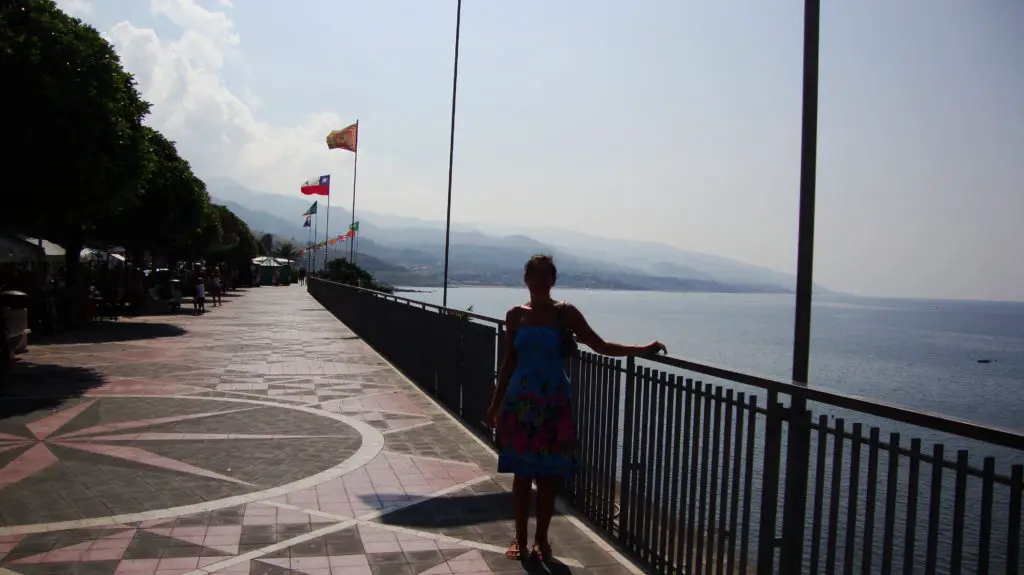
(342, 271)
(238, 246)
(74, 117)
(169, 213)
(287, 250)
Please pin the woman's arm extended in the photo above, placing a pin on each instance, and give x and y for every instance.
(508, 365)
(589, 337)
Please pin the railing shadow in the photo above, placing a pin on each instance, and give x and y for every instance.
(29, 387)
(111, 332)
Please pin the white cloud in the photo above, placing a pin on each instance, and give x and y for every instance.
(77, 8)
(215, 128)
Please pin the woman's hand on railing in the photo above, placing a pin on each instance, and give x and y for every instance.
(653, 348)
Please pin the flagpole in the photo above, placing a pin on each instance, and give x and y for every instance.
(327, 224)
(309, 244)
(451, 153)
(316, 221)
(355, 170)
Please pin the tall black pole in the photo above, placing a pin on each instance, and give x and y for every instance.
(355, 170)
(451, 153)
(799, 445)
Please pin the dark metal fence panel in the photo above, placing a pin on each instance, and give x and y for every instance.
(479, 343)
(689, 475)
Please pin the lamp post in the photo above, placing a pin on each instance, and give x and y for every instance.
(451, 154)
(799, 445)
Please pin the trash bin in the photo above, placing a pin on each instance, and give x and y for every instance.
(14, 306)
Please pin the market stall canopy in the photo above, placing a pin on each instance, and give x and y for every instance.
(16, 249)
(271, 262)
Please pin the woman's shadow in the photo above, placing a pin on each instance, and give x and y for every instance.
(533, 565)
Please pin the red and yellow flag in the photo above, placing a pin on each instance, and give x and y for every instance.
(344, 139)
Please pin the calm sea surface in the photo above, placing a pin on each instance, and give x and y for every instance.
(917, 353)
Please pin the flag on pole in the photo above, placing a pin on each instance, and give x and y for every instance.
(307, 223)
(344, 139)
(320, 186)
(312, 210)
(354, 227)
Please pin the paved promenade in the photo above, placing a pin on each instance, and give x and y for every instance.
(261, 438)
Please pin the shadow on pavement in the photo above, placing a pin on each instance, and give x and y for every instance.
(110, 331)
(29, 387)
(442, 513)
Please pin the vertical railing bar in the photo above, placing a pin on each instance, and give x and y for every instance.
(615, 493)
(701, 525)
(675, 501)
(648, 467)
(748, 480)
(834, 495)
(934, 511)
(658, 517)
(867, 554)
(737, 473)
(713, 485)
(770, 481)
(694, 441)
(600, 418)
(851, 503)
(590, 442)
(910, 531)
(959, 510)
(638, 443)
(665, 470)
(892, 484)
(611, 445)
(1013, 541)
(612, 441)
(723, 488)
(819, 494)
(988, 477)
(575, 379)
(626, 488)
(684, 498)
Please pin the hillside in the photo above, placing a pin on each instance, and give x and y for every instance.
(408, 251)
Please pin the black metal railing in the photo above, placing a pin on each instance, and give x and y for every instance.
(686, 464)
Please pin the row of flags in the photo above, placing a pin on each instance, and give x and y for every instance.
(344, 139)
(350, 234)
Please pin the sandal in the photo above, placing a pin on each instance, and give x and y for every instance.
(543, 551)
(514, 550)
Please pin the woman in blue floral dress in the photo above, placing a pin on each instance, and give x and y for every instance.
(532, 405)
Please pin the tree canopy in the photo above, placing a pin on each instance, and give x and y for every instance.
(343, 271)
(75, 119)
(169, 214)
(83, 167)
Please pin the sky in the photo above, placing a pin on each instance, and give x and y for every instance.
(660, 120)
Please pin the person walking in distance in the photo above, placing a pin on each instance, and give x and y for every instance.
(532, 405)
(200, 295)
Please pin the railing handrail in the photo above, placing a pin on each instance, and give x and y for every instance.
(920, 418)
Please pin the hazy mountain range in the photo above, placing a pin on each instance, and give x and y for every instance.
(410, 251)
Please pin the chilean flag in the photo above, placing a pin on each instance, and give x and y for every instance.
(317, 186)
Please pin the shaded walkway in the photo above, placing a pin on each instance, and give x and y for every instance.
(260, 438)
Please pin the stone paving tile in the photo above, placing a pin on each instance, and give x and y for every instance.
(260, 438)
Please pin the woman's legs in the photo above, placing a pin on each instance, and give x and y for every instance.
(521, 488)
(546, 491)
